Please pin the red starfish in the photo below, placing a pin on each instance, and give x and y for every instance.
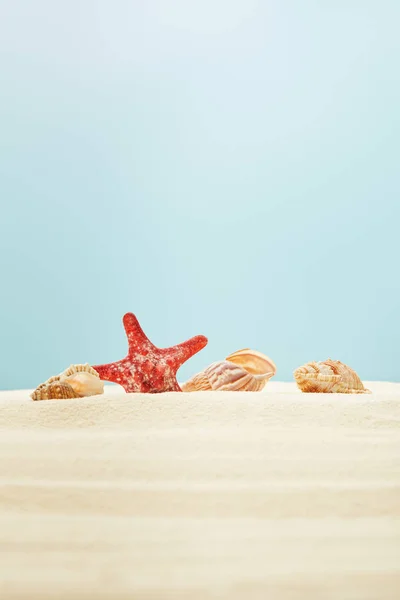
(147, 368)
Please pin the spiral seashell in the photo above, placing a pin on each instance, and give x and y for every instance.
(329, 376)
(253, 361)
(82, 379)
(72, 370)
(243, 371)
(84, 384)
(85, 368)
(55, 390)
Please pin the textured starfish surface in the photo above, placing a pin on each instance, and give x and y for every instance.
(148, 368)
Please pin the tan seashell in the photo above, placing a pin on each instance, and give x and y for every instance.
(55, 390)
(86, 368)
(329, 376)
(243, 371)
(199, 382)
(72, 370)
(84, 384)
(82, 379)
(253, 361)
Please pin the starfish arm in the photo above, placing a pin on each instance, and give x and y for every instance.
(175, 387)
(110, 372)
(146, 368)
(177, 355)
(137, 339)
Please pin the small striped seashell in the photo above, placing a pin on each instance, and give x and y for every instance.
(329, 376)
(55, 390)
(243, 371)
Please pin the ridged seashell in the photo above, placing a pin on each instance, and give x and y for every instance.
(72, 370)
(82, 379)
(329, 376)
(253, 362)
(55, 390)
(243, 371)
(86, 368)
(84, 384)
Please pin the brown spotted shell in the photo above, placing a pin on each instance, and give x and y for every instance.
(243, 371)
(82, 379)
(329, 376)
(55, 390)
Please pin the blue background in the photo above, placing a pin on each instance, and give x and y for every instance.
(222, 167)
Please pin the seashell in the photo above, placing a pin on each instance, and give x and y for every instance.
(55, 390)
(73, 369)
(329, 376)
(243, 371)
(82, 379)
(253, 361)
(84, 384)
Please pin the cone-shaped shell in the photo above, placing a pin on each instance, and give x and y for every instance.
(243, 371)
(82, 379)
(329, 376)
(55, 390)
(84, 384)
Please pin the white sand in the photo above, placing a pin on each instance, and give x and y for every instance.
(276, 495)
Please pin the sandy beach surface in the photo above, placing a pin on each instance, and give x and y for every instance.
(275, 494)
